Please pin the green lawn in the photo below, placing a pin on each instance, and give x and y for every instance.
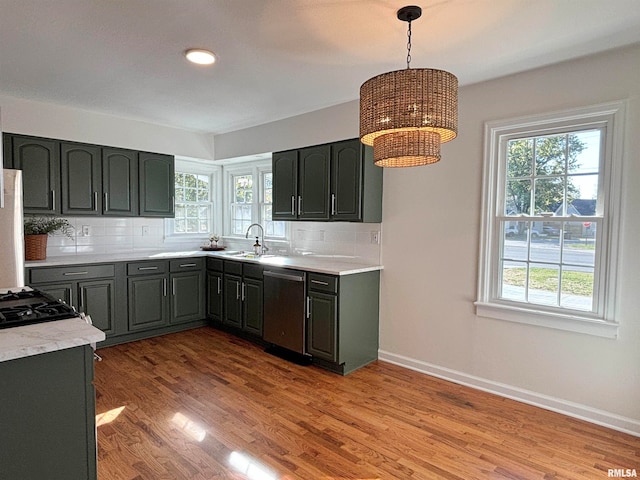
(574, 283)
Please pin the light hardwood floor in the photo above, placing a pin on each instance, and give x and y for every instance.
(203, 404)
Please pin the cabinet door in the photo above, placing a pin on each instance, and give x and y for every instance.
(252, 306)
(232, 301)
(119, 182)
(214, 296)
(147, 302)
(313, 183)
(285, 185)
(322, 326)
(48, 416)
(346, 180)
(97, 299)
(187, 296)
(81, 179)
(39, 160)
(59, 291)
(157, 185)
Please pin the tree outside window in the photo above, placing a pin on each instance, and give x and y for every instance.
(193, 209)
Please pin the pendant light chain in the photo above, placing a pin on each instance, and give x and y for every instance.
(409, 45)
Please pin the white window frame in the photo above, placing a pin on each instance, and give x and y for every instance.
(199, 167)
(256, 169)
(602, 321)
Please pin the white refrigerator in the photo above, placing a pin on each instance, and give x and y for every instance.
(11, 232)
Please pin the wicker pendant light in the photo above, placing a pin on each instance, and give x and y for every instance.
(406, 114)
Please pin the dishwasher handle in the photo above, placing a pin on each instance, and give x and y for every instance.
(284, 276)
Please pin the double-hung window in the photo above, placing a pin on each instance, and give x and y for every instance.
(550, 220)
(196, 201)
(249, 190)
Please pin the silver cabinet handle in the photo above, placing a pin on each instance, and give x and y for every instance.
(185, 265)
(243, 291)
(147, 268)
(333, 204)
(295, 278)
(71, 274)
(318, 282)
(173, 287)
(237, 290)
(293, 205)
(81, 302)
(53, 199)
(95, 201)
(219, 285)
(299, 204)
(308, 307)
(164, 287)
(106, 202)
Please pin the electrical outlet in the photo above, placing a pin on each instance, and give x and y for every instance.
(86, 230)
(375, 238)
(145, 230)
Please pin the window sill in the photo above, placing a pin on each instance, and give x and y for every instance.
(557, 321)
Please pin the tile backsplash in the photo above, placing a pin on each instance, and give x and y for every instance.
(104, 235)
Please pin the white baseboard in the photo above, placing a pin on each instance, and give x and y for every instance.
(576, 410)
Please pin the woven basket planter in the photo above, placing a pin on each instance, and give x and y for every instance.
(35, 247)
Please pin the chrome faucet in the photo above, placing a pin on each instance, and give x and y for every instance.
(263, 247)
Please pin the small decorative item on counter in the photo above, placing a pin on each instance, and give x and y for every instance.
(256, 247)
(213, 243)
(36, 231)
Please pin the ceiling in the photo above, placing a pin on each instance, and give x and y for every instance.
(277, 58)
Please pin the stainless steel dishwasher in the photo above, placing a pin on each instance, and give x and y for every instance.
(284, 309)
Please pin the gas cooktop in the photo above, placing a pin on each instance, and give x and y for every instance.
(26, 306)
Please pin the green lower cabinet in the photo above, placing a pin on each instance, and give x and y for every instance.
(252, 297)
(48, 416)
(242, 290)
(342, 320)
(89, 292)
(322, 326)
(232, 301)
(215, 299)
(147, 302)
(187, 296)
(97, 299)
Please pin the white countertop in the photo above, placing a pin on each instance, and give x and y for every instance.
(330, 264)
(19, 342)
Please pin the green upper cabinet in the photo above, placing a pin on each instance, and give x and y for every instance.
(285, 185)
(157, 185)
(336, 181)
(346, 181)
(72, 178)
(81, 179)
(301, 184)
(39, 160)
(119, 182)
(313, 183)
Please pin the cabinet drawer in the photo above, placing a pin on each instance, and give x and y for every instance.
(323, 283)
(76, 272)
(186, 264)
(232, 267)
(215, 264)
(252, 271)
(146, 268)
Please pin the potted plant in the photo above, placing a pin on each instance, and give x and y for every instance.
(36, 231)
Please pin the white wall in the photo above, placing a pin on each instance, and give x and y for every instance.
(430, 228)
(56, 121)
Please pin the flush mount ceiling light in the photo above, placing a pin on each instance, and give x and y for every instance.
(406, 114)
(200, 56)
